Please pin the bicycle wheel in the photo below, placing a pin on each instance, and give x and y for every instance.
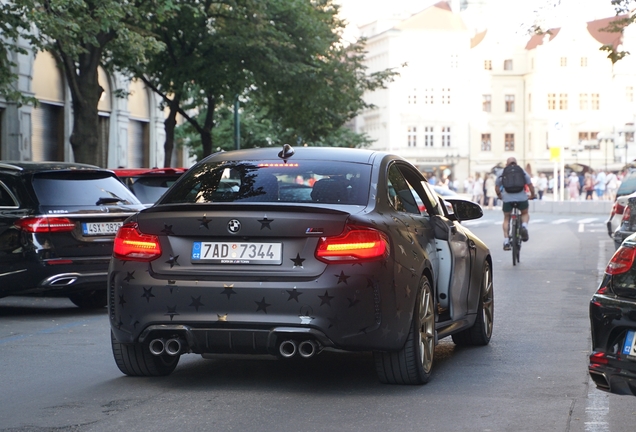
(514, 237)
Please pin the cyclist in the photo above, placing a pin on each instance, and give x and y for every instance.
(511, 187)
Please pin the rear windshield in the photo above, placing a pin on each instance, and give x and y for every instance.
(149, 189)
(81, 189)
(273, 181)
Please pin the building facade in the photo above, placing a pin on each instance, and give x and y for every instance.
(467, 99)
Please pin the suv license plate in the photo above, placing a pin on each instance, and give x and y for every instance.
(100, 228)
(237, 253)
(629, 347)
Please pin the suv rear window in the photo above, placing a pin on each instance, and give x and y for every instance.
(149, 189)
(303, 181)
(80, 189)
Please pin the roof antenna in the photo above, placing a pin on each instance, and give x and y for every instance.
(287, 152)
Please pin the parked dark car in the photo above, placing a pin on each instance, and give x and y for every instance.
(617, 215)
(353, 265)
(613, 321)
(148, 184)
(57, 226)
(627, 224)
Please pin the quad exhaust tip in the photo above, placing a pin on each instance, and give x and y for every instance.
(157, 346)
(307, 349)
(287, 348)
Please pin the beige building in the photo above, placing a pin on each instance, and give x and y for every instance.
(468, 99)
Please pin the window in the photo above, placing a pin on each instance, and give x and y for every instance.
(564, 61)
(428, 136)
(454, 61)
(551, 101)
(629, 93)
(509, 142)
(589, 140)
(486, 104)
(6, 197)
(563, 101)
(508, 65)
(485, 142)
(446, 96)
(629, 136)
(412, 97)
(583, 101)
(583, 61)
(510, 103)
(446, 136)
(488, 64)
(595, 102)
(412, 136)
(400, 192)
(583, 136)
(428, 96)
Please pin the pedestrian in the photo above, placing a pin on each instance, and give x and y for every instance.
(599, 184)
(611, 186)
(478, 190)
(491, 191)
(588, 186)
(542, 185)
(573, 186)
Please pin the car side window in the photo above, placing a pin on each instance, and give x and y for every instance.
(7, 199)
(426, 199)
(400, 191)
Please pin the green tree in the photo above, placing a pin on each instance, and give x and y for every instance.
(12, 25)
(84, 34)
(625, 17)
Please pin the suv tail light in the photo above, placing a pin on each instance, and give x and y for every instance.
(621, 261)
(132, 245)
(627, 214)
(45, 224)
(618, 209)
(353, 245)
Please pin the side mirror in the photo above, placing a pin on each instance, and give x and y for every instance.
(465, 210)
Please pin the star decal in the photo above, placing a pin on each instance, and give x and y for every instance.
(385, 331)
(196, 303)
(173, 261)
(133, 322)
(119, 324)
(171, 285)
(172, 311)
(167, 229)
(415, 255)
(222, 318)
(326, 299)
(402, 249)
(342, 277)
(333, 322)
(228, 290)
(408, 291)
(204, 222)
(370, 283)
(353, 301)
(398, 313)
(262, 305)
(400, 335)
(265, 223)
(129, 276)
(293, 294)
(121, 300)
(298, 261)
(147, 294)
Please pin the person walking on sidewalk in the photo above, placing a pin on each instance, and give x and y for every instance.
(511, 188)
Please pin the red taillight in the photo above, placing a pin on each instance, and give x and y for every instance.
(618, 209)
(598, 358)
(45, 224)
(627, 212)
(354, 244)
(621, 261)
(132, 245)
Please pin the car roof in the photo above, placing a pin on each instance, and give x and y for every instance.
(26, 167)
(133, 172)
(355, 155)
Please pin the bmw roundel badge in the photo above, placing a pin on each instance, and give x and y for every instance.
(234, 226)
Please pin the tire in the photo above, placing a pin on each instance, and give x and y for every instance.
(514, 243)
(136, 360)
(93, 299)
(481, 331)
(413, 364)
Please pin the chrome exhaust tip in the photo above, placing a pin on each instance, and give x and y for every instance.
(157, 346)
(307, 349)
(287, 348)
(173, 346)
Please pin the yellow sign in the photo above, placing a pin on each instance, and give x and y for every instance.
(555, 154)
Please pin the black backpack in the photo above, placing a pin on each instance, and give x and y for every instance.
(513, 178)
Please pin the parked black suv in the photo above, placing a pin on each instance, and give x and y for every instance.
(57, 225)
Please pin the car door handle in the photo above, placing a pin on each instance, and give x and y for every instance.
(472, 245)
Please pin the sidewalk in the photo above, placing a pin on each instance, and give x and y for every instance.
(547, 205)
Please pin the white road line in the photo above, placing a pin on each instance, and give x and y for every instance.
(581, 227)
(536, 220)
(588, 220)
(597, 406)
(560, 221)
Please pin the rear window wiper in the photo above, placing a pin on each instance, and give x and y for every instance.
(108, 200)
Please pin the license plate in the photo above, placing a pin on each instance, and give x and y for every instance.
(629, 347)
(100, 228)
(237, 253)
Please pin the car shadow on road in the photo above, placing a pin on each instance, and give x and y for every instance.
(43, 306)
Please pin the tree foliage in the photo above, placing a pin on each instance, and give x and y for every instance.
(12, 25)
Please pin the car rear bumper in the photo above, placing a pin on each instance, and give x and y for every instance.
(617, 380)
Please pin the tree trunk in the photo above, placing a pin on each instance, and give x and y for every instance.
(206, 132)
(169, 124)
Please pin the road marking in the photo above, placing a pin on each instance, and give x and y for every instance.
(560, 221)
(581, 227)
(597, 406)
(588, 220)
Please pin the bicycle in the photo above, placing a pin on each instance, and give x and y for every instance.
(514, 234)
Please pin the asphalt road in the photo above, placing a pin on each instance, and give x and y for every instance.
(58, 373)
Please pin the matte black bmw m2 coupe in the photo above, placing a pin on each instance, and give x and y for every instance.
(362, 256)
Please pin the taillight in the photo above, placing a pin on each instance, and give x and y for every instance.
(354, 244)
(621, 261)
(599, 358)
(627, 214)
(618, 209)
(45, 224)
(132, 245)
